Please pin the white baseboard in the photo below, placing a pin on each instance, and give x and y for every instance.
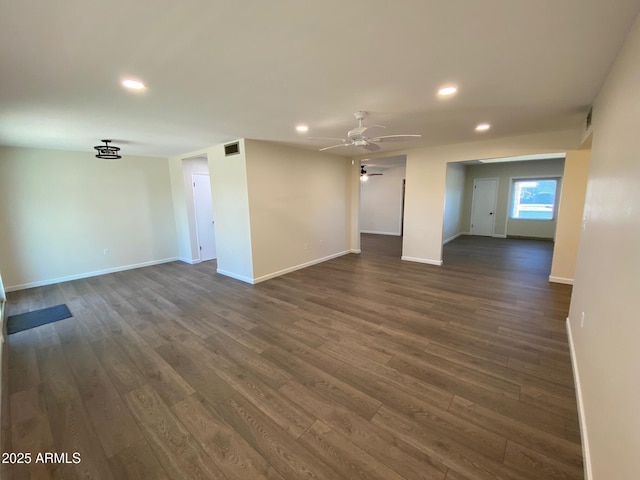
(452, 238)
(566, 281)
(374, 232)
(236, 276)
(422, 260)
(189, 261)
(498, 235)
(95, 273)
(586, 454)
(355, 250)
(268, 276)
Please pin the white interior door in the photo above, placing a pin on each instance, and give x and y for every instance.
(483, 207)
(205, 229)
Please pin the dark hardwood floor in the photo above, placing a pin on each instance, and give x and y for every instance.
(364, 366)
(381, 245)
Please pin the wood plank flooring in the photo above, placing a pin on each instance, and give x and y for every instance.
(364, 366)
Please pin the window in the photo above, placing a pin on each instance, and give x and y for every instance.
(533, 199)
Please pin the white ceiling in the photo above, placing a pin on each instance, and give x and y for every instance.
(221, 70)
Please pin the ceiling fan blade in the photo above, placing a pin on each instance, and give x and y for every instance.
(335, 146)
(372, 147)
(372, 174)
(393, 138)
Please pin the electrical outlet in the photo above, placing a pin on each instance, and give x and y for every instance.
(582, 320)
(306, 246)
(106, 252)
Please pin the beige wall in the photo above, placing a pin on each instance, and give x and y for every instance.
(453, 201)
(607, 346)
(504, 172)
(230, 199)
(353, 206)
(299, 207)
(574, 185)
(60, 210)
(277, 208)
(424, 208)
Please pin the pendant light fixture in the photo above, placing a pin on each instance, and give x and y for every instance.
(107, 152)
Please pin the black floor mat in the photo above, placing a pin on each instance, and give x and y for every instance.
(25, 321)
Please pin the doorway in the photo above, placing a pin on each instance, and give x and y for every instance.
(483, 206)
(382, 202)
(205, 224)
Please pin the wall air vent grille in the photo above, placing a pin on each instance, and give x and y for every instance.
(231, 149)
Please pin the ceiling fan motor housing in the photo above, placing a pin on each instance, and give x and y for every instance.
(356, 132)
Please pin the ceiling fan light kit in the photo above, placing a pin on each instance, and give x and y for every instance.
(358, 137)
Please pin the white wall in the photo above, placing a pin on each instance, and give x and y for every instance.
(299, 207)
(60, 210)
(453, 201)
(504, 172)
(607, 347)
(381, 202)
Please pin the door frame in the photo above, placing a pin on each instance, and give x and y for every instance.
(195, 213)
(495, 203)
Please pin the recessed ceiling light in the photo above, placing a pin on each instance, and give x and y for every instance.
(483, 127)
(302, 128)
(446, 91)
(133, 84)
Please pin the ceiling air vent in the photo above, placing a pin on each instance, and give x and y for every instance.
(231, 149)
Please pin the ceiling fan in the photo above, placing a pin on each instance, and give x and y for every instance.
(361, 137)
(364, 175)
